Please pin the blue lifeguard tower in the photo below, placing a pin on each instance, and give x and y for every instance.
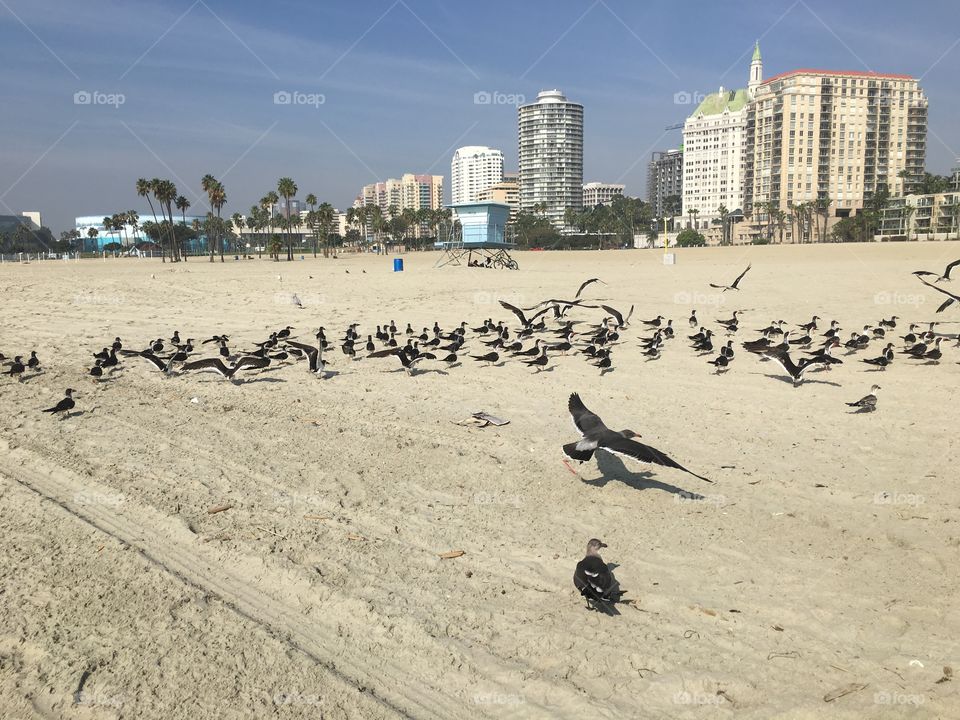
(482, 233)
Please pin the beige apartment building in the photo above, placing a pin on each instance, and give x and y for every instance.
(815, 136)
(506, 192)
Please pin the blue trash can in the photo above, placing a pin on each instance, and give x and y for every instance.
(398, 264)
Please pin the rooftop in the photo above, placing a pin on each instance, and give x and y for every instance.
(718, 102)
(840, 73)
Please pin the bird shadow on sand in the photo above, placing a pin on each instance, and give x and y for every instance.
(612, 468)
(259, 380)
(789, 380)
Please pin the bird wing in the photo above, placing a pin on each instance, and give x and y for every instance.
(308, 349)
(592, 578)
(385, 353)
(951, 266)
(251, 362)
(208, 363)
(160, 364)
(616, 313)
(718, 287)
(740, 276)
(588, 282)
(585, 421)
(944, 292)
(516, 311)
(620, 445)
(782, 357)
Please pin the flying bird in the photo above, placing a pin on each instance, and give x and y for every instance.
(946, 273)
(735, 284)
(951, 298)
(597, 436)
(588, 282)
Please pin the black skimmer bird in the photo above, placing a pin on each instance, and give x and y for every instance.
(597, 436)
(868, 403)
(489, 358)
(532, 351)
(891, 323)
(946, 273)
(524, 320)
(692, 320)
(622, 322)
(585, 284)
(796, 370)
(314, 356)
(96, 372)
(163, 365)
(33, 363)
(407, 354)
(735, 284)
(810, 326)
(721, 363)
(248, 362)
(883, 360)
(653, 323)
(593, 578)
(63, 407)
(16, 368)
(605, 364)
(285, 333)
(219, 339)
(951, 298)
(934, 354)
(727, 350)
(539, 362)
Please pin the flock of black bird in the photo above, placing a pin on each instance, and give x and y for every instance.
(542, 332)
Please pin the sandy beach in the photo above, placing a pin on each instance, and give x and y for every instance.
(822, 561)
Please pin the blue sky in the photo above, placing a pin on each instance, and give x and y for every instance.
(398, 80)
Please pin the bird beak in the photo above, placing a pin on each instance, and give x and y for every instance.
(603, 544)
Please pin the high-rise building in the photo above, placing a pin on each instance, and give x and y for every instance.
(415, 192)
(550, 133)
(410, 191)
(600, 193)
(664, 180)
(833, 138)
(714, 142)
(473, 169)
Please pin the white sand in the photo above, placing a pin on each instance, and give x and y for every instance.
(791, 578)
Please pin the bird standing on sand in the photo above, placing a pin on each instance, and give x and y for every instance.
(597, 436)
(868, 403)
(593, 578)
(63, 407)
(16, 368)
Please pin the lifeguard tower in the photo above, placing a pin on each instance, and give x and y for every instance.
(481, 240)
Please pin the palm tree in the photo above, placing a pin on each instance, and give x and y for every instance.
(311, 200)
(165, 192)
(326, 216)
(133, 218)
(724, 216)
(287, 188)
(144, 188)
(182, 204)
(218, 198)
